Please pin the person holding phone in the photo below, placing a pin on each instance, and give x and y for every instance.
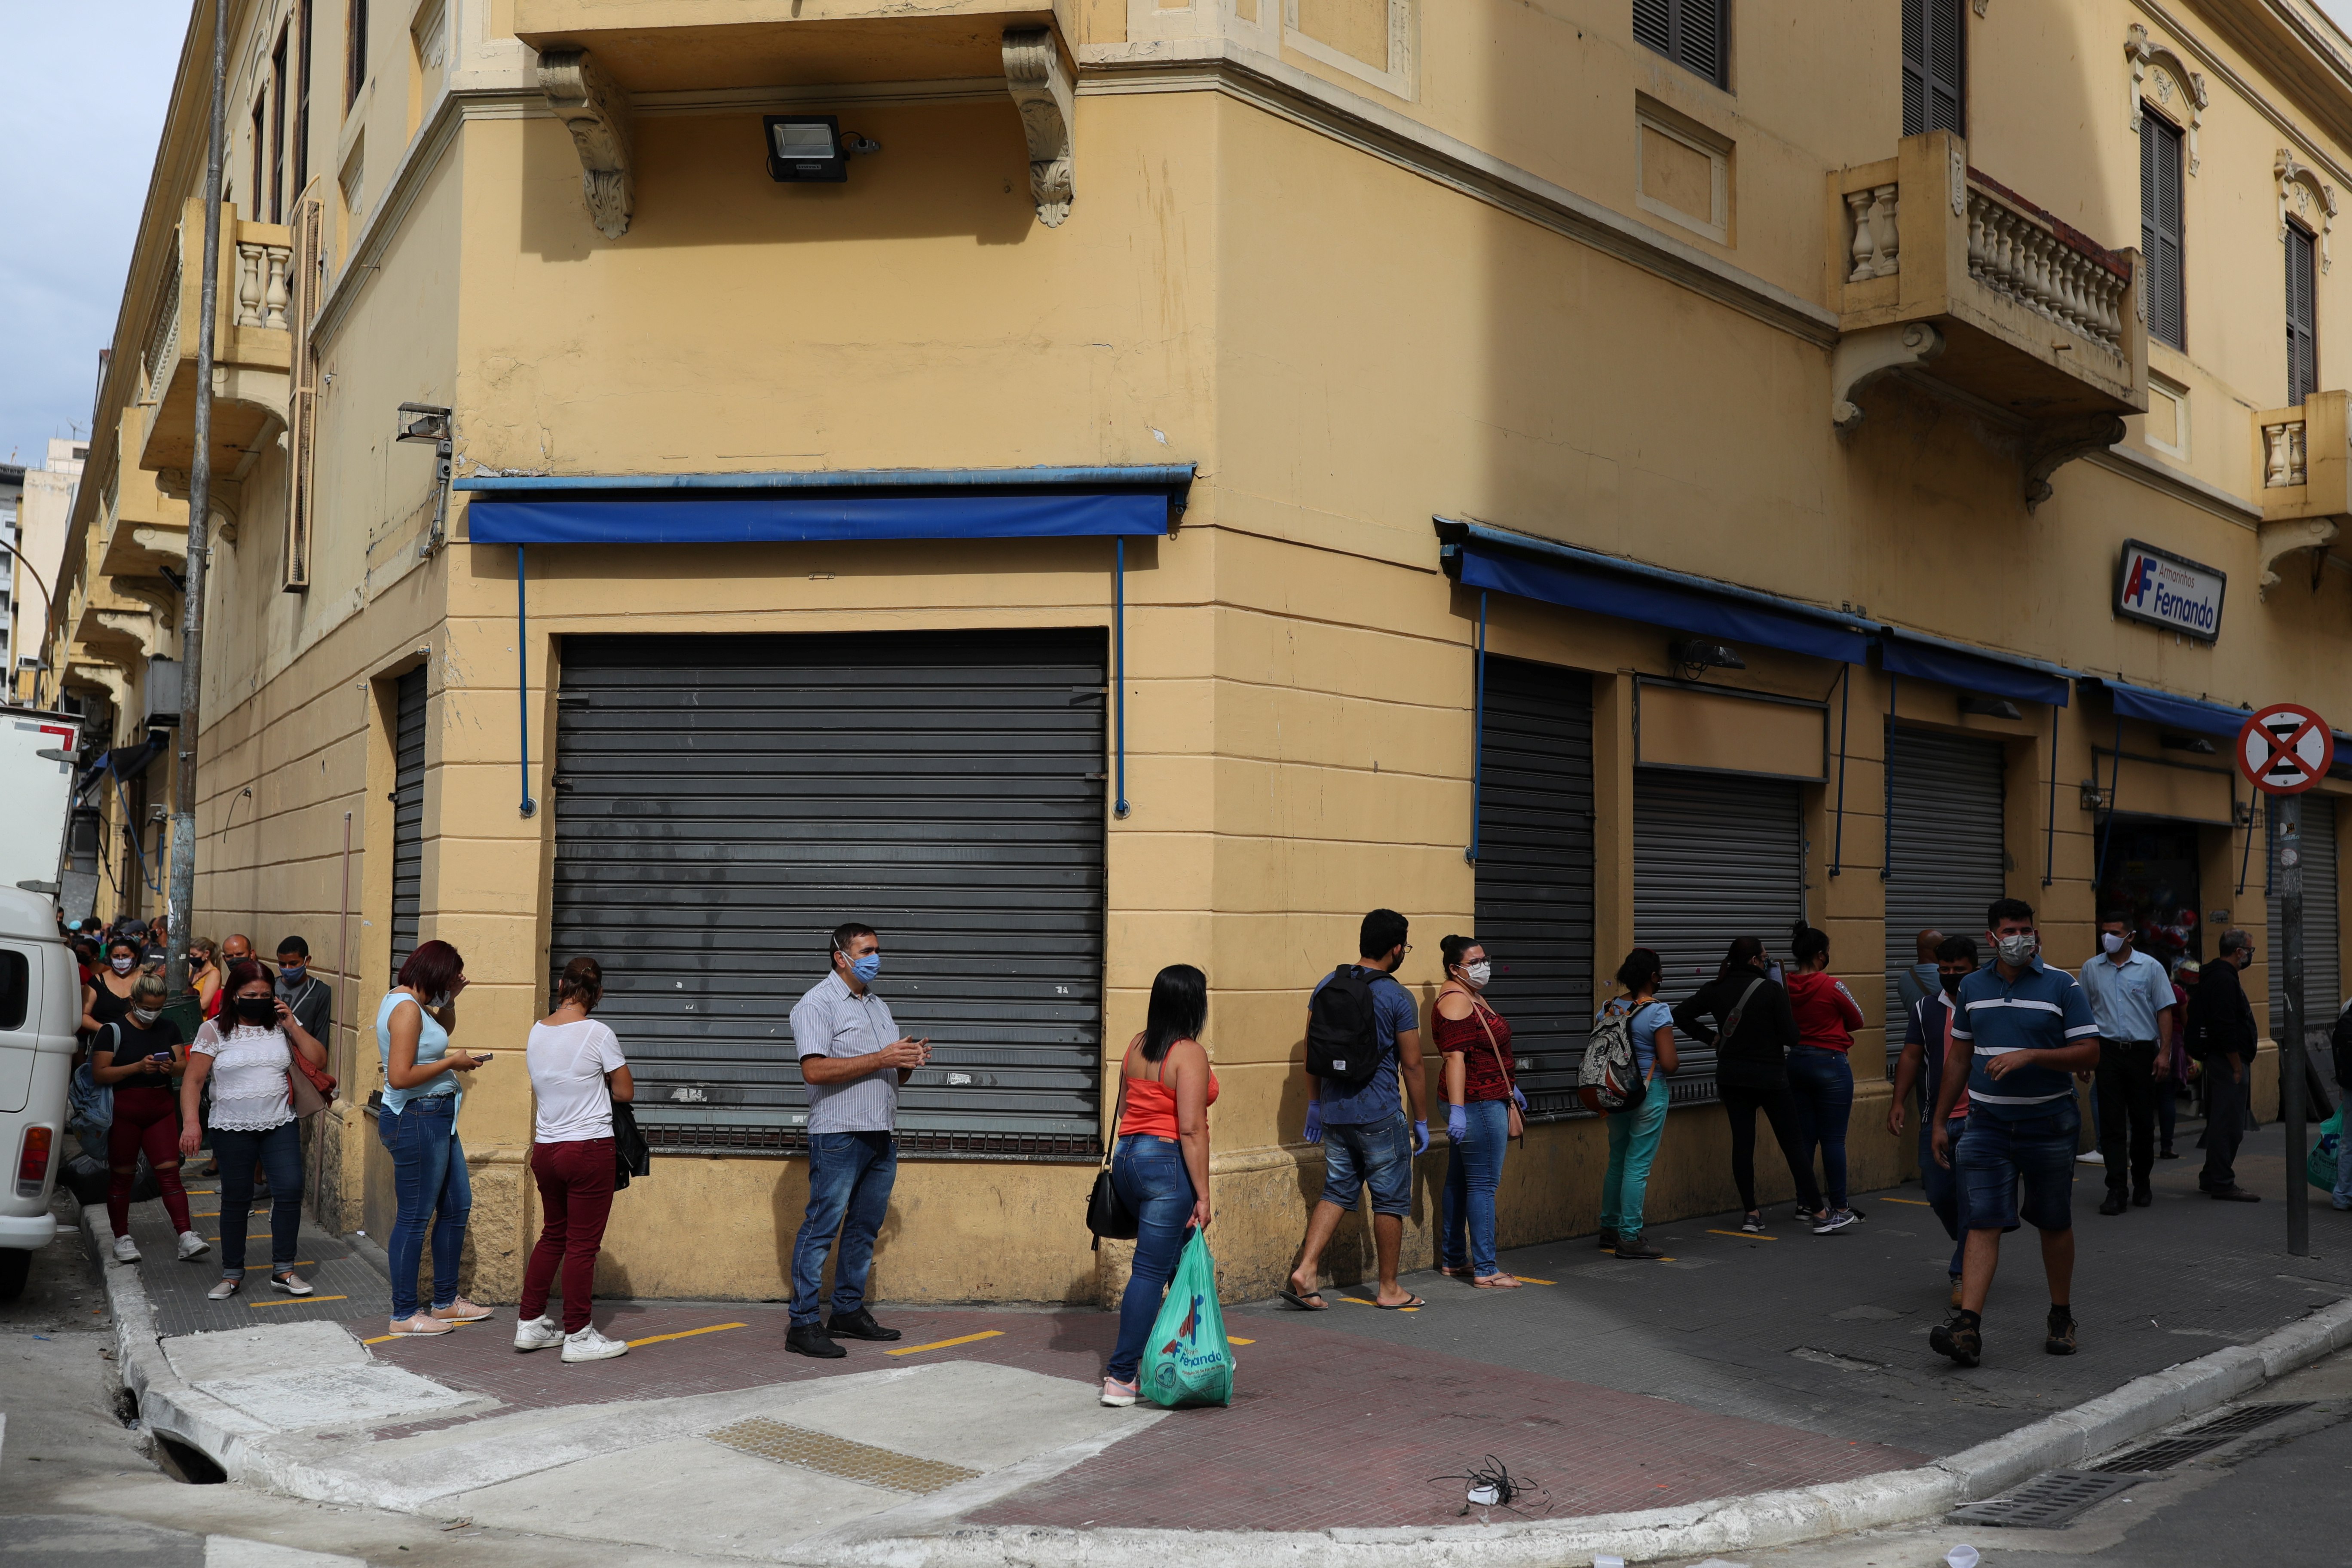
(247, 1056)
(853, 1059)
(138, 1056)
(418, 1126)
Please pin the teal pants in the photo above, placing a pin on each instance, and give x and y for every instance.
(1632, 1143)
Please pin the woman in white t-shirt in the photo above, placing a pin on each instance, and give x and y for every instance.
(577, 1072)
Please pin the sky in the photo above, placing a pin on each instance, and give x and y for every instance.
(78, 123)
(80, 119)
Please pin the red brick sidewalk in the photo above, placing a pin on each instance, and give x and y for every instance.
(1325, 1429)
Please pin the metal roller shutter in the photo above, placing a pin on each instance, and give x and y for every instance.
(1716, 856)
(2323, 980)
(1948, 858)
(722, 803)
(407, 814)
(1535, 869)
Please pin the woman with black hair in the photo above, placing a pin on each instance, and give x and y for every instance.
(1482, 1100)
(1821, 1075)
(1634, 1131)
(1752, 1036)
(107, 999)
(1160, 1162)
(577, 1075)
(417, 1124)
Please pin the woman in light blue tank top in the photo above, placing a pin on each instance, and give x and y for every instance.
(417, 1123)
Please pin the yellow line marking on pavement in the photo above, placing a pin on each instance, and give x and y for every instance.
(1236, 1339)
(1356, 1302)
(942, 1345)
(1742, 1235)
(1915, 1203)
(682, 1334)
(296, 1301)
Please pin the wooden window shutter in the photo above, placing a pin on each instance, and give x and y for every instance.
(2160, 228)
(2302, 316)
(302, 411)
(1693, 34)
(1934, 55)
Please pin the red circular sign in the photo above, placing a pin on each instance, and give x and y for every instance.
(2285, 749)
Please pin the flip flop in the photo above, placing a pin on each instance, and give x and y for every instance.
(1402, 1306)
(1498, 1282)
(1298, 1299)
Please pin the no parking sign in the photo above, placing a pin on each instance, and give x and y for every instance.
(2285, 749)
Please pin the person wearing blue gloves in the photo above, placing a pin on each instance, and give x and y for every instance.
(1484, 1111)
(1352, 1107)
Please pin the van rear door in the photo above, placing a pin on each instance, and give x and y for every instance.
(18, 1028)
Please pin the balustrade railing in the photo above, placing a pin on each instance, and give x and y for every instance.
(2021, 256)
(2285, 457)
(261, 276)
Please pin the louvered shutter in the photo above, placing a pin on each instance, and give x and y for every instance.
(1693, 34)
(302, 411)
(2160, 228)
(1535, 869)
(1933, 54)
(2302, 317)
(2323, 980)
(407, 815)
(1949, 861)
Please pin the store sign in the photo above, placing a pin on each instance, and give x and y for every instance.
(2170, 591)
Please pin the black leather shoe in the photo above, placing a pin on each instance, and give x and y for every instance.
(859, 1325)
(2113, 1203)
(807, 1338)
(2142, 1196)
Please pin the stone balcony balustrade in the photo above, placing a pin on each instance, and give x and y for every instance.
(2303, 458)
(252, 350)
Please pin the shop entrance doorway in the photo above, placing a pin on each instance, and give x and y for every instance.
(2151, 874)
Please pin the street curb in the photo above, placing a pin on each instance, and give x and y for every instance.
(169, 1406)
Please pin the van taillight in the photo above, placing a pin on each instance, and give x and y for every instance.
(33, 1164)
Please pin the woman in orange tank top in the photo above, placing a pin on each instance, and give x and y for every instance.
(1160, 1162)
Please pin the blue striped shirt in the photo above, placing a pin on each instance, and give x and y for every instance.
(2044, 1009)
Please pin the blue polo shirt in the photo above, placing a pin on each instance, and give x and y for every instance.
(2044, 1009)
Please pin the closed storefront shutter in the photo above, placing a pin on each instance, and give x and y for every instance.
(1946, 858)
(1535, 869)
(2322, 979)
(722, 803)
(1716, 856)
(407, 814)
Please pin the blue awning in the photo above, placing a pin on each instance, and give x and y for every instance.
(1608, 586)
(1972, 669)
(2190, 713)
(824, 506)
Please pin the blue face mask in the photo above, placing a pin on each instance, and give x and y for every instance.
(292, 973)
(866, 968)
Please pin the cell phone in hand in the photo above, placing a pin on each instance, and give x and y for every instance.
(482, 1056)
(160, 1057)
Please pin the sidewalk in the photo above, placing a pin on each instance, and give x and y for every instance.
(1741, 1366)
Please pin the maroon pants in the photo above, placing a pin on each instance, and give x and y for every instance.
(145, 1118)
(575, 1189)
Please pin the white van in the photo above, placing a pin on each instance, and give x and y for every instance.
(40, 1006)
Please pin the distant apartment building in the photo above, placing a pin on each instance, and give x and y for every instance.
(43, 515)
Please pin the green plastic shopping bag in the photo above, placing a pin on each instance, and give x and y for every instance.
(2319, 1165)
(1187, 1360)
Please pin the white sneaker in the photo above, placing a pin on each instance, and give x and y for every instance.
(2093, 1158)
(192, 1246)
(537, 1333)
(125, 1250)
(589, 1345)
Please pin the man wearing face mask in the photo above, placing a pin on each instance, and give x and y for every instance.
(1923, 1060)
(2021, 1030)
(2223, 1034)
(853, 1059)
(302, 991)
(2131, 997)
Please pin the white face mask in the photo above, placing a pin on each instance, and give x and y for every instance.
(146, 1016)
(2016, 949)
(2110, 943)
(1479, 973)
(123, 965)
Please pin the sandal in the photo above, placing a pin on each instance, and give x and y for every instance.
(1410, 1304)
(1302, 1299)
(1497, 1282)
(1451, 1272)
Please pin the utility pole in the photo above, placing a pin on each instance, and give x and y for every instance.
(181, 895)
(2290, 888)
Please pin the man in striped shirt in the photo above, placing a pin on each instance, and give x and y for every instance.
(2023, 1028)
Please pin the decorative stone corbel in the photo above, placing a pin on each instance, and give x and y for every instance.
(2055, 445)
(228, 499)
(2276, 540)
(1862, 357)
(1033, 73)
(596, 112)
(2299, 184)
(2172, 72)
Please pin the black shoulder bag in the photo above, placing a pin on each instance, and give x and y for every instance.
(1106, 1215)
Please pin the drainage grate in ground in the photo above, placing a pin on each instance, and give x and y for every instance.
(832, 1456)
(2046, 1500)
(2202, 1439)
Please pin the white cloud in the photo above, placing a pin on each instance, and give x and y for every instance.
(80, 120)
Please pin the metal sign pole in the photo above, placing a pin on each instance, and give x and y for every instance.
(2290, 886)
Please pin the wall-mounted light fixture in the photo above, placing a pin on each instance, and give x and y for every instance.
(1989, 707)
(429, 423)
(2094, 797)
(1693, 656)
(2197, 743)
(811, 148)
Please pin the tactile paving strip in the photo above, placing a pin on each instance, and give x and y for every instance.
(833, 1456)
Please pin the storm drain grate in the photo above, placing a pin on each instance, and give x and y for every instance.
(2245, 1418)
(2045, 1501)
(833, 1456)
(2202, 1439)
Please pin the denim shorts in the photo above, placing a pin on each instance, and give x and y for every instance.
(1375, 1154)
(1996, 1156)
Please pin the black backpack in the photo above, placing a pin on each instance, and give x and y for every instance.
(1343, 1037)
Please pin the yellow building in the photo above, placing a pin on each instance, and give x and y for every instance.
(1093, 486)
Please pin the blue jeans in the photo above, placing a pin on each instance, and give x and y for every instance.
(1375, 1154)
(850, 1177)
(1633, 1138)
(430, 1186)
(1945, 1195)
(280, 1155)
(1153, 1184)
(1471, 1170)
(1822, 1082)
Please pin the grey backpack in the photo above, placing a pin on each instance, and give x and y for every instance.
(1611, 1079)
